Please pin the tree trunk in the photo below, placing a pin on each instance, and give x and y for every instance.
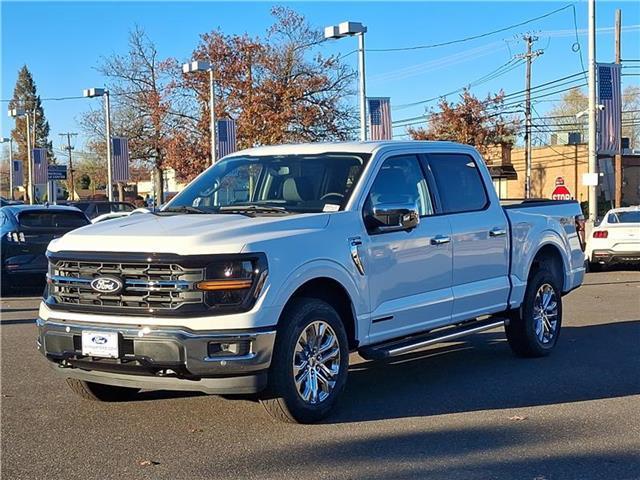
(158, 185)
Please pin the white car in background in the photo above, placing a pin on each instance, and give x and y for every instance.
(616, 240)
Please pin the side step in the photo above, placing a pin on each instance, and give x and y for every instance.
(395, 347)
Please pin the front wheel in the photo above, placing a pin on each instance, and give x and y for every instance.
(533, 329)
(310, 361)
(100, 392)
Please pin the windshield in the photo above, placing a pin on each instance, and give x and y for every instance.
(624, 217)
(285, 183)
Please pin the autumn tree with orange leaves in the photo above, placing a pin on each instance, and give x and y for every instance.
(278, 88)
(480, 123)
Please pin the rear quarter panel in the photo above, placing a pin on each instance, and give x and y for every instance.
(532, 228)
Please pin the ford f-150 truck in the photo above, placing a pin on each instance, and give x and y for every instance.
(270, 267)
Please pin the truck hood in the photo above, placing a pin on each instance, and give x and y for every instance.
(188, 234)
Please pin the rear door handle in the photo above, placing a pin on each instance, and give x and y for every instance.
(440, 240)
(497, 232)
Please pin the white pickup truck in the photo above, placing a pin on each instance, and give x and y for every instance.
(270, 267)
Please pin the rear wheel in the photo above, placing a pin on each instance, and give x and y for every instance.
(100, 392)
(310, 361)
(532, 330)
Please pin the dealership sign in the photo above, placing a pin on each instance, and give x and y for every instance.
(561, 192)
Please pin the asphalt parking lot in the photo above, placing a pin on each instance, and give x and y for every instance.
(463, 410)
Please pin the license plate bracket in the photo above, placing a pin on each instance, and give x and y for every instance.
(100, 344)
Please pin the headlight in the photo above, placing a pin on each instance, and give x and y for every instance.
(234, 281)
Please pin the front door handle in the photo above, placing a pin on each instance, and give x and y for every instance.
(440, 240)
(497, 232)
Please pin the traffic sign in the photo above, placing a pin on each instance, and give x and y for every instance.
(57, 172)
(561, 192)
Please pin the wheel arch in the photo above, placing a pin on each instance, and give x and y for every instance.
(330, 283)
(549, 256)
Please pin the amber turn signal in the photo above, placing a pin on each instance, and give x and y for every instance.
(231, 284)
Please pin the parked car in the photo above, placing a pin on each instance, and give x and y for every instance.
(616, 240)
(26, 230)
(270, 267)
(95, 208)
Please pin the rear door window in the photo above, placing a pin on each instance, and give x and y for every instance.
(459, 183)
(52, 220)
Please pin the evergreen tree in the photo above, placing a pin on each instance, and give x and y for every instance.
(25, 96)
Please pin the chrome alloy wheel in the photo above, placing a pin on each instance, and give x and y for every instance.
(545, 313)
(316, 362)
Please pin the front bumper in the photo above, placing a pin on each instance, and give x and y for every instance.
(610, 257)
(166, 358)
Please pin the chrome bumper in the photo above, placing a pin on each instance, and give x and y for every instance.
(162, 357)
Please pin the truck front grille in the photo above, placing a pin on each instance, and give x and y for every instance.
(147, 287)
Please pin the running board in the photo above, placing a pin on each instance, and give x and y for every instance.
(395, 347)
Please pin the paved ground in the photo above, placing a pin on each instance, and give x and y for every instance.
(466, 410)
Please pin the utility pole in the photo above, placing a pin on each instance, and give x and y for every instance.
(68, 148)
(593, 156)
(618, 156)
(529, 56)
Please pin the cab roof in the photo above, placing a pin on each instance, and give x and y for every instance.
(339, 147)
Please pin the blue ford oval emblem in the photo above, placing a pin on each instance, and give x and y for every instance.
(98, 340)
(106, 284)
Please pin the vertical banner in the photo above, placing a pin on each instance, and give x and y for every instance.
(226, 137)
(380, 118)
(40, 166)
(610, 97)
(18, 176)
(120, 156)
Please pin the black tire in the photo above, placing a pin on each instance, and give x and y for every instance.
(99, 392)
(595, 267)
(281, 399)
(521, 327)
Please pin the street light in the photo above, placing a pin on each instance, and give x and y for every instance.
(349, 29)
(16, 113)
(102, 92)
(10, 142)
(202, 66)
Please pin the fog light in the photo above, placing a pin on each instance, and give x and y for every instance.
(228, 349)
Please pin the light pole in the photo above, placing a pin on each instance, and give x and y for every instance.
(102, 92)
(349, 29)
(15, 113)
(10, 142)
(593, 154)
(201, 66)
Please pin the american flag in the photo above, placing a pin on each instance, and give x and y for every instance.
(18, 176)
(120, 155)
(226, 137)
(380, 118)
(609, 96)
(40, 166)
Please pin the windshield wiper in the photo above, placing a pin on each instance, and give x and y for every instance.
(184, 209)
(252, 209)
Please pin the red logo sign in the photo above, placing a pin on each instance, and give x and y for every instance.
(561, 192)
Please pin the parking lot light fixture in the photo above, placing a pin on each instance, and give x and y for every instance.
(103, 92)
(203, 66)
(349, 29)
(16, 113)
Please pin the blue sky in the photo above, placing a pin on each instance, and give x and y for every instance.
(62, 43)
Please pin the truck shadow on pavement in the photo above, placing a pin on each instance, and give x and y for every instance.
(591, 362)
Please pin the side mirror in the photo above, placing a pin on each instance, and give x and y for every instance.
(395, 217)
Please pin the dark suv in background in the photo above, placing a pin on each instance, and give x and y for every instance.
(92, 209)
(26, 232)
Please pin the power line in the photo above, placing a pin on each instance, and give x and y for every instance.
(501, 70)
(474, 37)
